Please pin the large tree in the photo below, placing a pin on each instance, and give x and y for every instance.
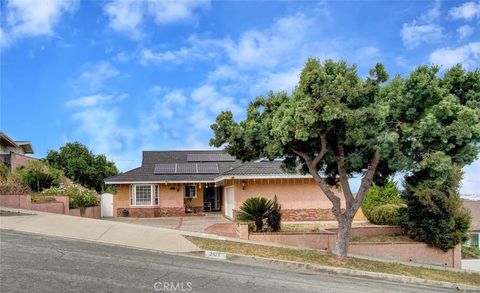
(82, 166)
(335, 125)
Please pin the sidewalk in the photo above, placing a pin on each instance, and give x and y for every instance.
(97, 231)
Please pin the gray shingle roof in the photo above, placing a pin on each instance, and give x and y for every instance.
(146, 173)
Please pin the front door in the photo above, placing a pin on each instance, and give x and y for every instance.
(211, 199)
(229, 198)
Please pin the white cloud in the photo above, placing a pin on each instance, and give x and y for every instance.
(433, 13)
(94, 75)
(268, 48)
(223, 72)
(471, 180)
(466, 11)
(465, 31)
(414, 34)
(278, 81)
(468, 55)
(166, 12)
(95, 100)
(31, 18)
(126, 16)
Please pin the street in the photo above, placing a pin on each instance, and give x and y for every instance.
(35, 263)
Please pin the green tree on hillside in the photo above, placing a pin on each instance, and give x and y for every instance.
(82, 166)
(336, 124)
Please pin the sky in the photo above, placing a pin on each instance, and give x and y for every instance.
(127, 76)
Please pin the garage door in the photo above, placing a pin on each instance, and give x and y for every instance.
(229, 196)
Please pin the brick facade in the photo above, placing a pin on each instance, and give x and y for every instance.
(307, 215)
(151, 212)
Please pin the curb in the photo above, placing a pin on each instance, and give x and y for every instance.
(262, 261)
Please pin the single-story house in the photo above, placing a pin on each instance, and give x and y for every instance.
(13, 153)
(173, 183)
(474, 207)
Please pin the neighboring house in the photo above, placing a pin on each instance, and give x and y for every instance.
(474, 207)
(13, 152)
(172, 183)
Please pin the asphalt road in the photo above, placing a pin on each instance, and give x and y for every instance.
(34, 263)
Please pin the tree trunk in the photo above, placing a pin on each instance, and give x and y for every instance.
(343, 234)
(259, 225)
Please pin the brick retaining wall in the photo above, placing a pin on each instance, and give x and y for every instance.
(416, 252)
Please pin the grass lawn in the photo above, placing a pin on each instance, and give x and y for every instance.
(383, 238)
(321, 258)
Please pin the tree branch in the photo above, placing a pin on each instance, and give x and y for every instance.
(366, 181)
(323, 149)
(347, 192)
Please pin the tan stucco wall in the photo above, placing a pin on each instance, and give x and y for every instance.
(291, 193)
(198, 201)
(168, 196)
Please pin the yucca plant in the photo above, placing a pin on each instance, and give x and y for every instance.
(255, 209)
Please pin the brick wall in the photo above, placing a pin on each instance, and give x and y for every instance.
(17, 160)
(151, 212)
(416, 252)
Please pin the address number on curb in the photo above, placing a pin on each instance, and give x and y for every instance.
(215, 254)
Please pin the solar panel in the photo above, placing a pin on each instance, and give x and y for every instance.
(186, 168)
(164, 169)
(210, 158)
(207, 168)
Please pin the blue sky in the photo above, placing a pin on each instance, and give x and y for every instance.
(127, 76)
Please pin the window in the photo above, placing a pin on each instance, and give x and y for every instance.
(190, 191)
(144, 195)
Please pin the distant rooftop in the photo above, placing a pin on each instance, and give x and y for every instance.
(24, 144)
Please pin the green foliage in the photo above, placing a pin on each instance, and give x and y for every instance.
(82, 166)
(38, 175)
(470, 252)
(387, 214)
(418, 124)
(257, 209)
(274, 219)
(378, 196)
(434, 211)
(3, 172)
(78, 197)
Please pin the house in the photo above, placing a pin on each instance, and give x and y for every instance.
(474, 207)
(13, 152)
(173, 183)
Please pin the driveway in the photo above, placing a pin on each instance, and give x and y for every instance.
(212, 223)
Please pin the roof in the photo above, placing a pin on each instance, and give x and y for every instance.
(25, 145)
(157, 167)
(474, 207)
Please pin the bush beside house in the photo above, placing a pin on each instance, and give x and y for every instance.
(78, 198)
(383, 204)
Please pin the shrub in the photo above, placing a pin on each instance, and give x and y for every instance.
(38, 176)
(274, 220)
(78, 198)
(255, 209)
(13, 186)
(434, 212)
(3, 172)
(387, 214)
(379, 196)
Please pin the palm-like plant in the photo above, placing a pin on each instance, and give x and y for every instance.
(255, 209)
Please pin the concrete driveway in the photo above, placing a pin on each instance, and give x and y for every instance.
(212, 223)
